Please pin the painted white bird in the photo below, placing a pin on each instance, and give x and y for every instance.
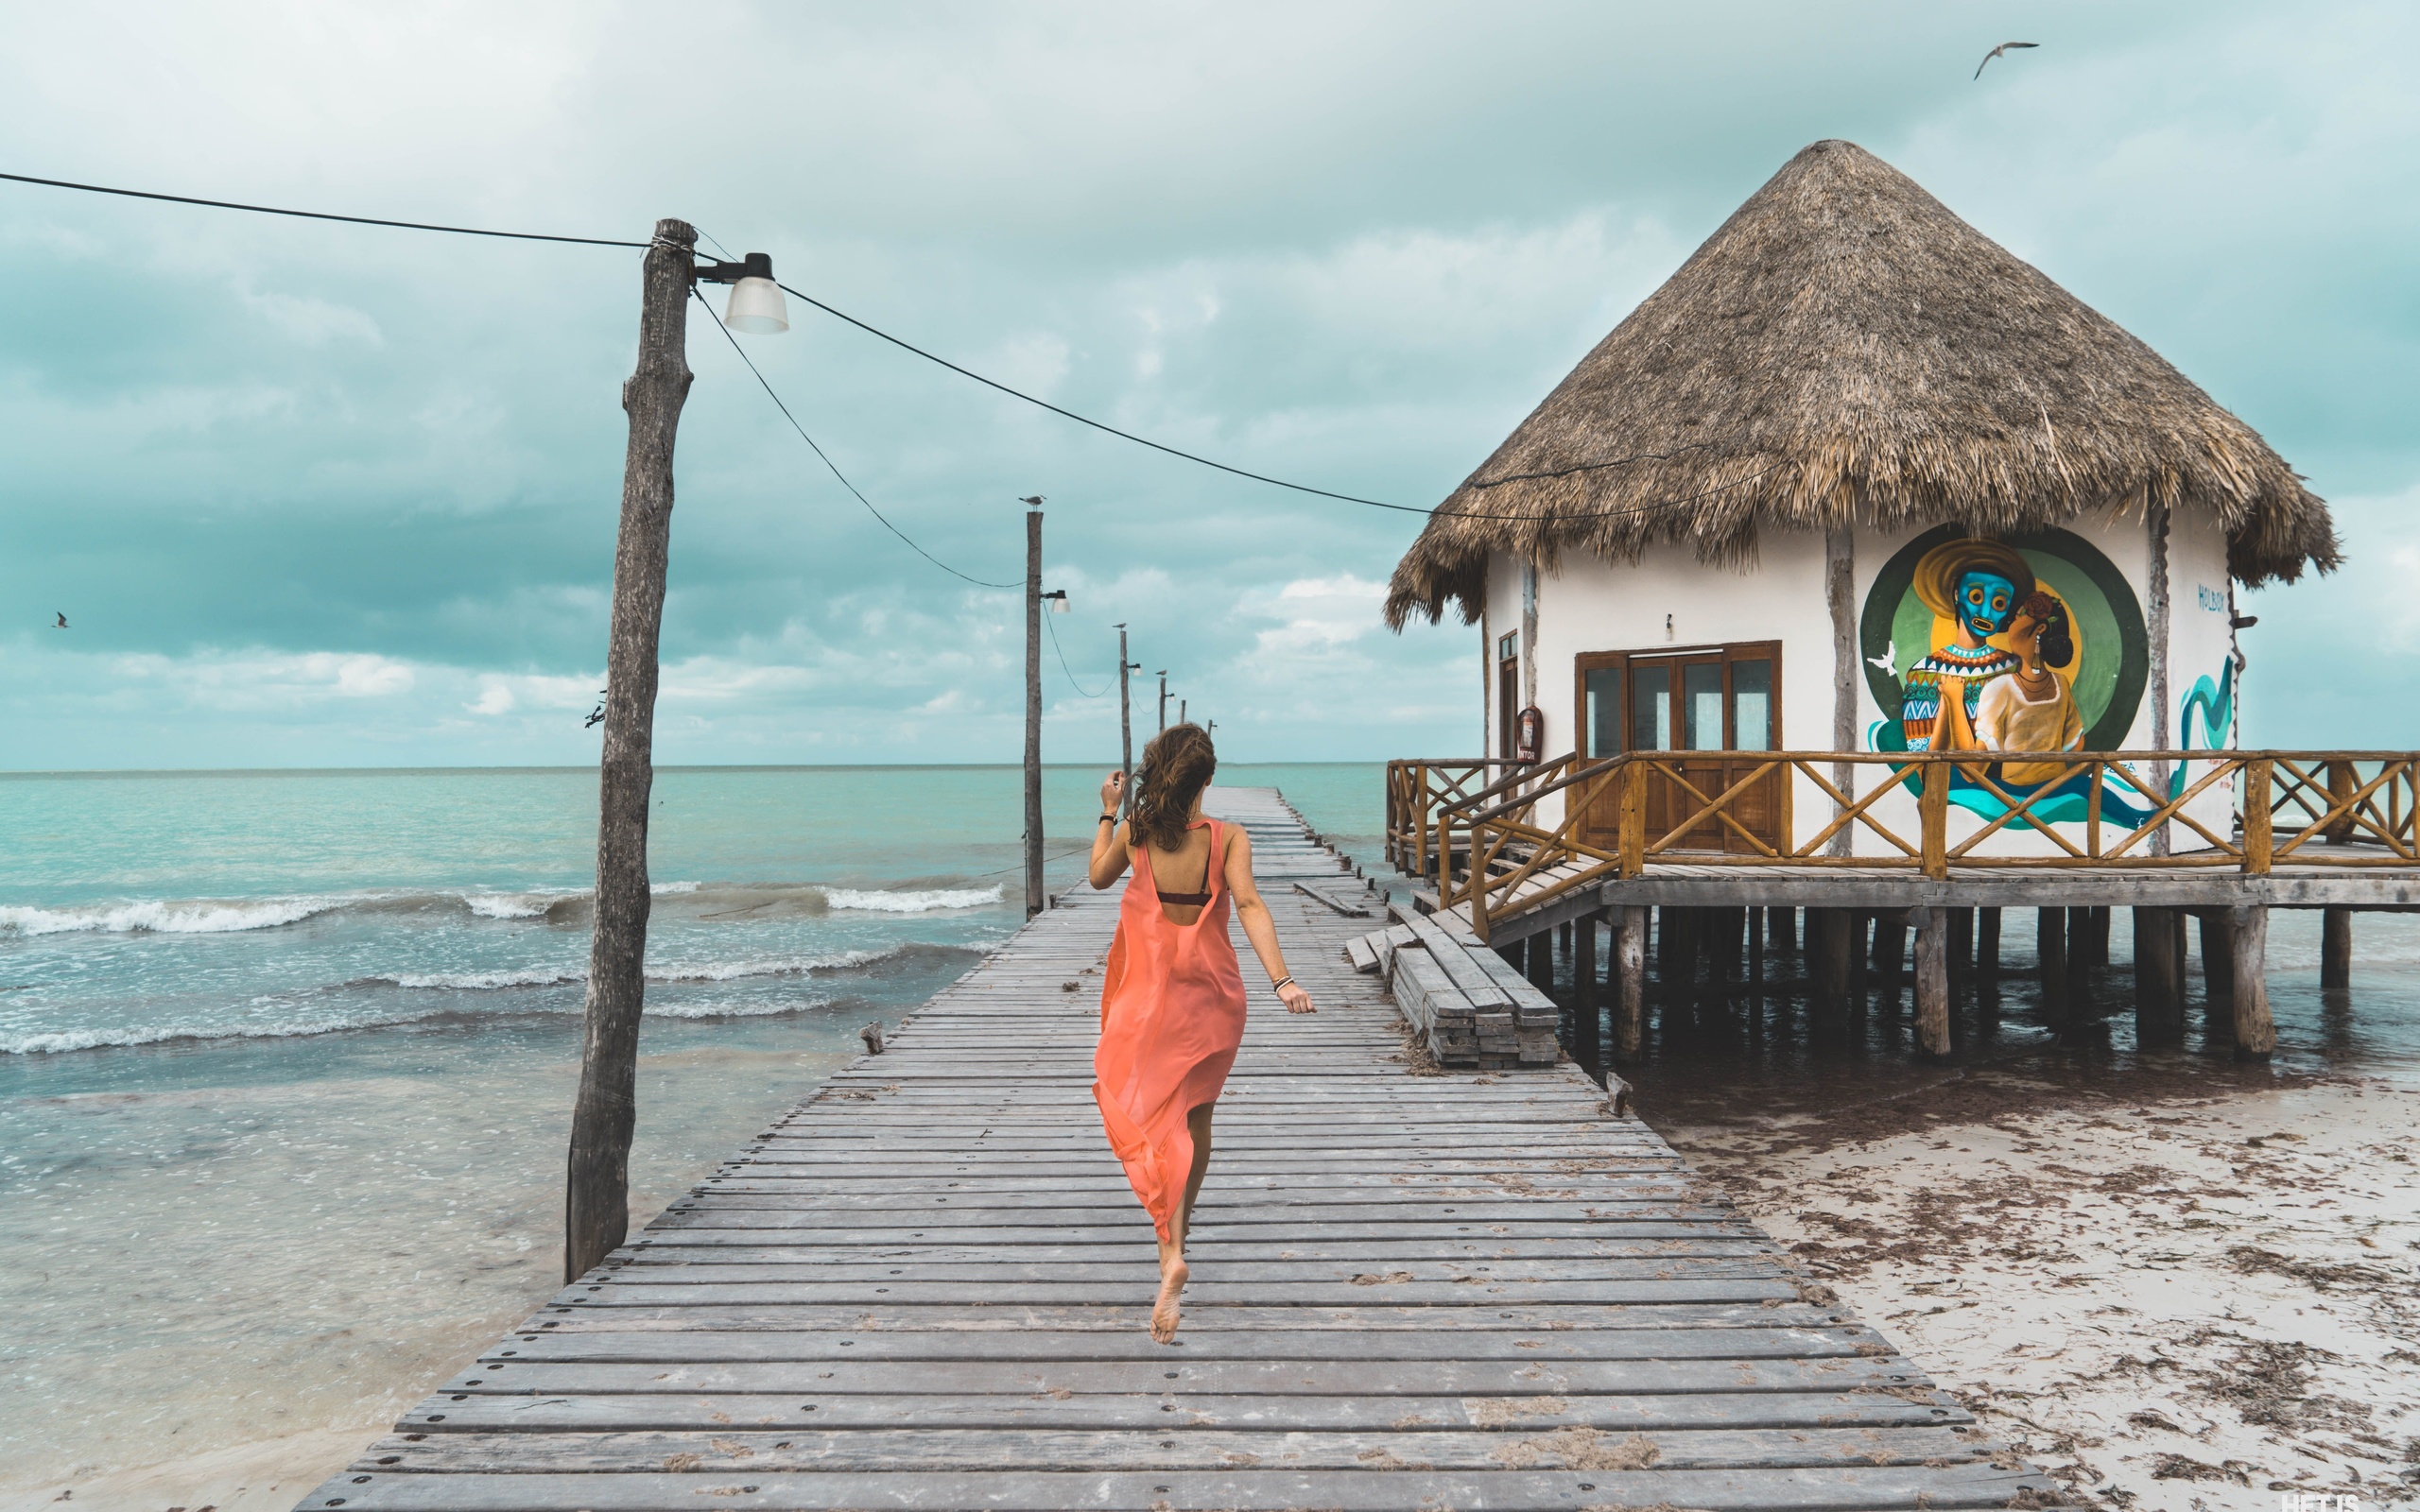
(1887, 660)
(1998, 51)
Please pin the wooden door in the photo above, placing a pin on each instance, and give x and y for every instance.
(1721, 700)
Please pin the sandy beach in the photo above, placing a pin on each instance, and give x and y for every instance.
(2187, 1288)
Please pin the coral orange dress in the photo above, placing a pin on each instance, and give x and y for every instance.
(1171, 1019)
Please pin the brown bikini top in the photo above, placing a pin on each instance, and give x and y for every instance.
(1190, 900)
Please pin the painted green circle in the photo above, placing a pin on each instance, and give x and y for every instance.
(1896, 628)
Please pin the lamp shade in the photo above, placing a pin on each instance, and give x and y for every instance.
(756, 308)
(1059, 606)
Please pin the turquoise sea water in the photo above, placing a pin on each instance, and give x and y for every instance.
(286, 1057)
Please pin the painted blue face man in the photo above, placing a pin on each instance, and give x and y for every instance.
(1986, 603)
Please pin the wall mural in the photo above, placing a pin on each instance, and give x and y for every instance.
(2031, 642)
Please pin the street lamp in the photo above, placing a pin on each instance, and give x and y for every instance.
(597, 1209)
(1058, 597)
(756, 305)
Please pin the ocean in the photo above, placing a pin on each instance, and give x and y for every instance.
(286, 1058)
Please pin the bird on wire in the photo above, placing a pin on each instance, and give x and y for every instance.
(62, 621)
(1997, 51)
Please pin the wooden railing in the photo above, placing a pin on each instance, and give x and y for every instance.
(2295, 807)
(1420, 790)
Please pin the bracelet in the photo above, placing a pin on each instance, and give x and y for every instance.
(1280, 984)
(1109, 818)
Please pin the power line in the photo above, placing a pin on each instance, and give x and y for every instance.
(1651, 507)
(827, 461)
(317, 215)
(1062, 662)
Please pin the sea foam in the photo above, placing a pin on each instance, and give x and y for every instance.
(154, 916)
(925, 901)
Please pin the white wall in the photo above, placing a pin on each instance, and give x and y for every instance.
(1588, 605)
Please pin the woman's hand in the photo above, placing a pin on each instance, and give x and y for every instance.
(1296, 999)
(1112, 788)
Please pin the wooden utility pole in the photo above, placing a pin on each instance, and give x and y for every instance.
(1180, 710)
(596, 1206)
(1163, 700)
(1034, 898)
(1125, 724)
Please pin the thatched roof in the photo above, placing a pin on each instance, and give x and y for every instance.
(1844, 348)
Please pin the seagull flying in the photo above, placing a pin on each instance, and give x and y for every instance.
(1998, 51)
(62, 621)
(597, 715)
(1887, 660)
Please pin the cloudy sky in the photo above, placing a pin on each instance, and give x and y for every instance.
(324, 495)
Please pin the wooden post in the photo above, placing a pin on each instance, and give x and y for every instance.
(2258, 837)
(2051, 945)
(2255, 1035)
(1630, 957)
(1586, 1011)
(2159, 977)
(596, 1205)
(1162, 676)
(2096, 955)
(1932, 813)
(1542, 961)
(2336, 948)
(1633, 813)
(1729, 940)
(1961, 941)
(1891, 944)
(1860, 948)
(1034, 894)
(2156, 527)
(1126, 735)
(2082, 1008)
(1932, 981)
(2342, 785)
(1782, 925)
(1828, 950)
(2217, 974)
(1756, 957)
(1987, 943)
(1840, 597)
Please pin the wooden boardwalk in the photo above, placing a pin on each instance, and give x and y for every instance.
(926, 1288)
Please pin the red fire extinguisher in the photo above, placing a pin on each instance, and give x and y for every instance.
(1530, 734)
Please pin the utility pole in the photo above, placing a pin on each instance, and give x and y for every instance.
(1164, 699)
(1033, 892)
(1180, 710)
(1125, 723)
(596, 1201)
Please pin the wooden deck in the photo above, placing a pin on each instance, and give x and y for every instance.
(926, 1288)
(2385, 887)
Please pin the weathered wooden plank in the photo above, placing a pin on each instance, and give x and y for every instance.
(925, 1287)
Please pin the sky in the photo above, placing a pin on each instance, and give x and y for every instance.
(319, 495)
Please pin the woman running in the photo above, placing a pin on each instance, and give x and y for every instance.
(1172, 1002)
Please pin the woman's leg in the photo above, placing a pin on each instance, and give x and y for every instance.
(1174, 1272)
(1198, 1124)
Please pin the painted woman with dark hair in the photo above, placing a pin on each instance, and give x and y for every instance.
(1172, 997)
(2031, 708)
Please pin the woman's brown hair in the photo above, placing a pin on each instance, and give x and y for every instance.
(1177, 765)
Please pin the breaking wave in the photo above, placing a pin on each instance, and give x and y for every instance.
(154, 916)
(924, 901)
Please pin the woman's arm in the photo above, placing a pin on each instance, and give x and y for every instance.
(1109, 837)
(1258, 927)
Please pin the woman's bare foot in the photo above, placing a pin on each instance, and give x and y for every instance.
(1173, 1274)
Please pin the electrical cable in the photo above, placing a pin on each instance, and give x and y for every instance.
(1653, 507)
(827, 461)
(317, 215)
(1063, 661)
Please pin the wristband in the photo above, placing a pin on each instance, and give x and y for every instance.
(1109, 818)
(1279, 984)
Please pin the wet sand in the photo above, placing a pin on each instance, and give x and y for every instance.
(2183, 1285)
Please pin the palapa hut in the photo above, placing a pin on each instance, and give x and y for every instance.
(1743, 520)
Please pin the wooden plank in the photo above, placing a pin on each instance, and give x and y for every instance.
(925, 1285)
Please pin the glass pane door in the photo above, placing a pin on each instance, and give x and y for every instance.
(1702, 706)
(1650, 708)
(1751, 705)
(1603, 724)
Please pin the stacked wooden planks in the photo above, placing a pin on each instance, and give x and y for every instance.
(926, 1288)
(1467, 1002)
